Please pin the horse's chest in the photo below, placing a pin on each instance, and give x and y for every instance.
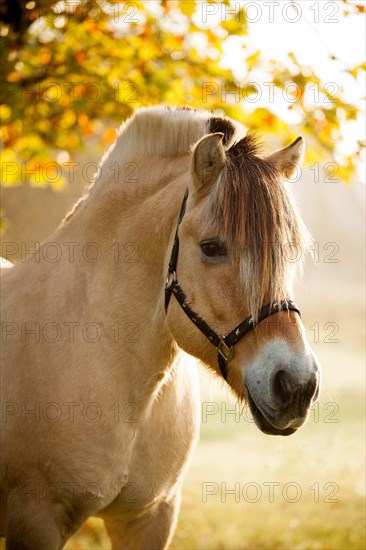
(161, 450)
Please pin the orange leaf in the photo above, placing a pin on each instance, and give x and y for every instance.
(109, 135)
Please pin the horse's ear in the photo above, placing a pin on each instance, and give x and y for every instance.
(208, 161)
(288, 159)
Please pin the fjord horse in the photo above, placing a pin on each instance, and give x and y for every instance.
(180, 244)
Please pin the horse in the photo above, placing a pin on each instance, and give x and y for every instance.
(179, 247)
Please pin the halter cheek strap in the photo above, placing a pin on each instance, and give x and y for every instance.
(224, 344)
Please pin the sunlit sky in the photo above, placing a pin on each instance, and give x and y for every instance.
(320, 32)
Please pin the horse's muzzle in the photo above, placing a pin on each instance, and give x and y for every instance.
(285, 406)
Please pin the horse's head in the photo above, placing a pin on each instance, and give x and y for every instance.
(239, 241)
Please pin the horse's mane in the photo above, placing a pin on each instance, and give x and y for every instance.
(159, 132)
(170, 132)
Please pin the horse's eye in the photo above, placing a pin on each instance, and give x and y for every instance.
(212, 249)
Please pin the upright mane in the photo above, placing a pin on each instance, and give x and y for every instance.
(158, 132)
(168, 132)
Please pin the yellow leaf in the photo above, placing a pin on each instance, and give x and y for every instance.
(188, 7)
(252, 59)
(68, 119)
(5, 112)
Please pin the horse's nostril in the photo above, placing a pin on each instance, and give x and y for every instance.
(282, 387)
(311, 387)
(289, 392)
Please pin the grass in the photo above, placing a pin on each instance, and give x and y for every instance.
(317, 478)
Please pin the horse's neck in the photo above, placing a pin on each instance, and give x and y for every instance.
(132, 230)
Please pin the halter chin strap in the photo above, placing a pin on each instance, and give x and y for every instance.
(224, 344)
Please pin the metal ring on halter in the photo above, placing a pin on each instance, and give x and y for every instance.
(229, 351)
(171, 278)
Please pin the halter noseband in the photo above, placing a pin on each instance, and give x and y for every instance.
(224, 344)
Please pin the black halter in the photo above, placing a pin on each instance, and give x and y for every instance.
(223, 344)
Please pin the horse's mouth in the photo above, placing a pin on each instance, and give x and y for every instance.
(261, 421)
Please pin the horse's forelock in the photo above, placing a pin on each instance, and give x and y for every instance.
(251, 210)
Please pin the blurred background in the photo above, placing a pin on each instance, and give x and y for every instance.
(71, 72)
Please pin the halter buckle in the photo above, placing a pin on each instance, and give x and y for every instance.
(225, 351)
(171, 278)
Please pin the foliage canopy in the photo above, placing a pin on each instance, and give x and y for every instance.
(73, 70)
